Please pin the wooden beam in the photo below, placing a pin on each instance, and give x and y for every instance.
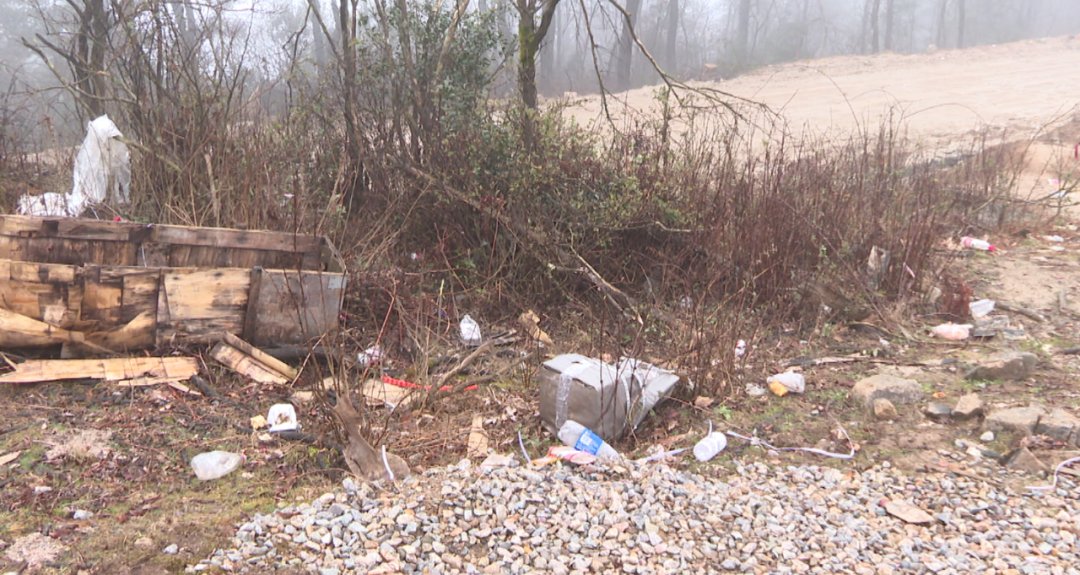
(246, 365)
(261, 356)
(115, 369)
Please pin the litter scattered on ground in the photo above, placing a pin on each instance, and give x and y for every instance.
(740, 348)
(9, 457)
(102, 174)
(470, 332)
(582, 438)
(761, 443)
(282, 417)
(606, 398)
(215, 464)
(370, 356)
(952, 331)
(977, 244)
(787, 382)
(981, 308)
(755, 390)
(709, 446)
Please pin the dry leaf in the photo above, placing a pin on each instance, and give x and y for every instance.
(530, 322)
(704, 402)
(258, 422)
(9, 457)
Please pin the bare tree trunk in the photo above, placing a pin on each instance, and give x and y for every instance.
(890, 6)
(346, 19)
(742, 31)
(875, 22)
(942, 11)
(960, 21)
(624, 56)
(672, 36)
(530, 35)
(548, 55)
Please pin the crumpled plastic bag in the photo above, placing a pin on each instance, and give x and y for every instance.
(102, 175)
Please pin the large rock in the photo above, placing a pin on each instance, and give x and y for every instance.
(968, 406)
(1012, 365)
(883, 386)
(1017, 419)
(1060, 424)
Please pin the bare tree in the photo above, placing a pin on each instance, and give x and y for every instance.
(961, 17)
(625, 50)
(742, 35)
(890, 13)
(672, 36)
(531, 34)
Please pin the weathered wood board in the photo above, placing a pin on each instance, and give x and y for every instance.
(124, 286)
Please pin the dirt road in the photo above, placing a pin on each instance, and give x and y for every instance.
(942, 96)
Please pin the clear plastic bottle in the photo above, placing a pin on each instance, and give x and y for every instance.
(582, 438)
(215, 464)
(977, 244)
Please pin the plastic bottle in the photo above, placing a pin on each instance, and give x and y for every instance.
(215, 464)
(470, 331)
(582, 438)
(710, 445)
(977, 244)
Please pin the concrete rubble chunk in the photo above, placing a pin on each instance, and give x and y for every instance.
(883, 386)
(1016, 419)
(968, 406)
(908, 513)
(1012, 365)
(884, 409)
(1060, 424)
(938, 410)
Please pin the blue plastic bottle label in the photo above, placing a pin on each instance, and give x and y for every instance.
(589, 442)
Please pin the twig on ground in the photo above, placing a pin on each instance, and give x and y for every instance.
(1029, 313)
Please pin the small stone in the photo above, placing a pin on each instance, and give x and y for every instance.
(1017, 419)
(884, 409)
(968, 406)
(171, 549)
(729, 564)
(81, 514)
(895, 389)
(938, 411)
(1007, 366)
(907, 512)
(987, 436)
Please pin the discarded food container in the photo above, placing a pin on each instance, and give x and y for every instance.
(977, 244)
(583, 439)
(649, 386)
(710, 445)
(126, 286)
(981, 308)
(788, 382)
(282, 417)
(586, 390)
(740, 348)
(952, 331)
(215, 464)
(470, 331)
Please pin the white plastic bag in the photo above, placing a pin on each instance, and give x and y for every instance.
(102, 174)
(470, 332)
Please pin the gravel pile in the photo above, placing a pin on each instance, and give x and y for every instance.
(761, 519)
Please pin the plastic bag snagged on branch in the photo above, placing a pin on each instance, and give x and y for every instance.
(102, 175)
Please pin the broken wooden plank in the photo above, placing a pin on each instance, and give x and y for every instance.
(245, 364)
(113, 369)
(263, 357)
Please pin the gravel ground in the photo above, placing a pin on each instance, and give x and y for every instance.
(760, 519)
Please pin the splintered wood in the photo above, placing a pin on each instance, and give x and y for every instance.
(117, 369)
(247, 360)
